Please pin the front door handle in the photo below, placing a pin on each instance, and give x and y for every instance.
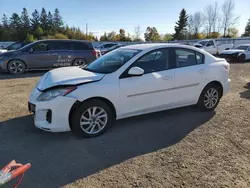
(167, 78)
(201, 71)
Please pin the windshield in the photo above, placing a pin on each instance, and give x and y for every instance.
(241, 47)
(111, 61)
(203, 43)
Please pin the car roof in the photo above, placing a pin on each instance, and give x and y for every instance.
(63, 40)
(243, 45)
(151, 46)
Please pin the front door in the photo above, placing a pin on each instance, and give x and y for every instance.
(153, 90)
(190, 74)
(41, 56)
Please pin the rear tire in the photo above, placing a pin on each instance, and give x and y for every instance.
(91, 119)
(79, 62)
(242, 58)
(16, 67)
(210, 97)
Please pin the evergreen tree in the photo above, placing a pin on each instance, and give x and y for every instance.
(35, 21)
(151, 34)
(181, 25)
(57, 19)
(50, 21)
(247, 29)
(43, 19)
(15, 21)
(5, 21)
(25, 19)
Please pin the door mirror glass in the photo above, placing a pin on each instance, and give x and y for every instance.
(136, 71)
(31, 50)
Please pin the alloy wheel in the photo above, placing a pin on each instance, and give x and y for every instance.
(16, 67)
(93, 120)
(211, 98)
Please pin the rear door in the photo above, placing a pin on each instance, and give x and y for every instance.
(83, 50)
(42, 56)
(61, 49)
(190, 75)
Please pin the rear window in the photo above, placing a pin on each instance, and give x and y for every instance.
(81, 46)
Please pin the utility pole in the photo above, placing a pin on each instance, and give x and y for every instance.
(86, 28)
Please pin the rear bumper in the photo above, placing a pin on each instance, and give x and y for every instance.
(226, 87)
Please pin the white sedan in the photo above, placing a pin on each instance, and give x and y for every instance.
(129, 81)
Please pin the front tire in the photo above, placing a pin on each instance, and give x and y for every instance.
(210, 97)
(242, 58)
(91, 119)
(16, 67)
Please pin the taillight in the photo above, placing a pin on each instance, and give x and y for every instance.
(95, 53)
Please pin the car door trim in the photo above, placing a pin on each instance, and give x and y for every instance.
(162, 90)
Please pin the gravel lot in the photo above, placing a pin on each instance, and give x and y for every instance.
(177, 148)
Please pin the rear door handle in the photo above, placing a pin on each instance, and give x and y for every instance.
(167, 78)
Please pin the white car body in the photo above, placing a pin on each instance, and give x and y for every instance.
(131, 96)
(239, 50)
(3, 50)
(211, 46)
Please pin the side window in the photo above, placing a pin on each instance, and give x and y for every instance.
(80, 46)
(41, 46)
(154, 61)
(185, 57)
(210, 43)
(59, 46)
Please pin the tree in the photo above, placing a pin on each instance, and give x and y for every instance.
(137, 35)
(15, 21)
(232, 33)
(35, 20)
(195, 23)
(29, 38)
(44, 19)
(112, 36)
(247, 29)
(151, 34)
(38, 32)
(228, 17)
(57, 19)
(167, 37)
(104, 37)
(211, 14)
(122, 35)
(181, 25)
(5, 21)
(50, 21)
(25, 19)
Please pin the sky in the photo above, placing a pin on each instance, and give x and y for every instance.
(111, 15)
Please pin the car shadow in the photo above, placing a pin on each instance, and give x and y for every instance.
(61, 158)
(7, 76)
(246, 94)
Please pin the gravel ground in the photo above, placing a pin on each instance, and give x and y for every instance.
(176, 148)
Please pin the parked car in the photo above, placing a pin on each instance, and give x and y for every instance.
(111, 49)
(239, 53)
(128, 81)
(211, 46)
(47, 54)
(14, 46)
(105, 46)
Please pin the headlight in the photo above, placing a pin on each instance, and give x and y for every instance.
(53, 93)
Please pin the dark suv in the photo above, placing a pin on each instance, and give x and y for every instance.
(46, 54)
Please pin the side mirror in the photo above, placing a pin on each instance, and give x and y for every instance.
(198, 46)
(31, 50)
(227, 48)
(136, 71)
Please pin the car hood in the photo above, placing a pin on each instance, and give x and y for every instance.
(232, 51)
(67, 76)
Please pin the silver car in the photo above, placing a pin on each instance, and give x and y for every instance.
(47, 54)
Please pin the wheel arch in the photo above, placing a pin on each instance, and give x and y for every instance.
(217, 83)
(17, 60)
(78, 103)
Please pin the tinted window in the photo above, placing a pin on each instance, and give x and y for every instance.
(154, 61)
(14, 46)
(59, 46)
(185, 57)
(80, 46)
(41, 46)
(108, 45)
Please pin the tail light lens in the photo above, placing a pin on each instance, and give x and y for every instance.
(94, 53)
